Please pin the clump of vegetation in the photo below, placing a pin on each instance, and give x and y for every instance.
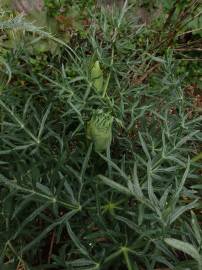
(100, 138)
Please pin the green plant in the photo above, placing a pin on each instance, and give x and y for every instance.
(133, 203)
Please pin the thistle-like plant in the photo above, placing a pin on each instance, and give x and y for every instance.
(99, 130)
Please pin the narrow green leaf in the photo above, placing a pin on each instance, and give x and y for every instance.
(115, 185)
(180, 210)
(184, 247)
(43, 121)
(8, 69)
(26, 106)
(19, 207)
(196, 227)
(76, 241)
(144, 147)
(164, 198)
(44, 189)
(177, 194)
(129, 223)
(113, 165)
(81, 263)
(151, 193)
(86, 161)
(136, 182)
(186, 138)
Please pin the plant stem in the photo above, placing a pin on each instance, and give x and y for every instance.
(128, 263)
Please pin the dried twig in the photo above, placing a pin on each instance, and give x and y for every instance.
(146, 74)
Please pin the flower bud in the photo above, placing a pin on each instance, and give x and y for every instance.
(99, 130)
(97, 77)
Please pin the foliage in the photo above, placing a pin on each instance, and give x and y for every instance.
(131, 199)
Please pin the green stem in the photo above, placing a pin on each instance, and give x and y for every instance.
(112, 256)
(126, 257)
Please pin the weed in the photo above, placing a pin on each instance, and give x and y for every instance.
(130, 197)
